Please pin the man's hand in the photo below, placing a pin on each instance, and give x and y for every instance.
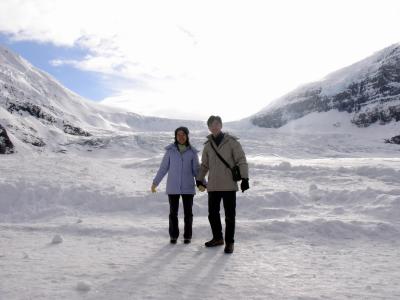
(200, 186)
(244, 185)
(153, 188)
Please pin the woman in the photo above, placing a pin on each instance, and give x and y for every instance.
(182, 164)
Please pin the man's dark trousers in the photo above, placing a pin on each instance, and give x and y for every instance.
(173, 215)
(214, 202)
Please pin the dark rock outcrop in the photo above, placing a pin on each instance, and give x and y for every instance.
(6, 146)
(40, 113)
(73, 130)
(376, 114)
(32, 109)
(33, 140)
(394, 140)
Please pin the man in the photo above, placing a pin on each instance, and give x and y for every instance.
(220, 182)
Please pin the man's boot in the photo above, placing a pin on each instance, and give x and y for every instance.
(229, 248)
(214, 242)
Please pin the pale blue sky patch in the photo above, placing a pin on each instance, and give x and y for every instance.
(90, 85)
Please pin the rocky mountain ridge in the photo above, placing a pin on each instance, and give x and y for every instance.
(369, 89)
(36, 110)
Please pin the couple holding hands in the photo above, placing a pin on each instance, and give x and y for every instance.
(225, 162)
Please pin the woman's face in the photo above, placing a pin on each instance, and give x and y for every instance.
(181, 137)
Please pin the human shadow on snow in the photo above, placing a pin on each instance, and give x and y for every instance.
(174, 270)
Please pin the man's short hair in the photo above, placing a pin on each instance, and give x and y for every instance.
(211, 119)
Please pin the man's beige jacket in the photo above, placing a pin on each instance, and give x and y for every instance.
(219, 176)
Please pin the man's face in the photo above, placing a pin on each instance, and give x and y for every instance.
(181, 137)
(215, 128)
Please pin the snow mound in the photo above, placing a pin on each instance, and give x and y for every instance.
(83, 286)
(57, 239)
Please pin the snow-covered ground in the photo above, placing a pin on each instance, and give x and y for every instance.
(321, 221)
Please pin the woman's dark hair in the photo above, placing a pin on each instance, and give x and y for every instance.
(212, 119)
(186, 131)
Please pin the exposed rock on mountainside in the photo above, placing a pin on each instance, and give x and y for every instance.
(6, 146)
(369, 89)
(394, 140)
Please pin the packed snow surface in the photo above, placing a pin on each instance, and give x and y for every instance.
(320, 221)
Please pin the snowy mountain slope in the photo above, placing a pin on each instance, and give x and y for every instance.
(369, 90)
(38, 110)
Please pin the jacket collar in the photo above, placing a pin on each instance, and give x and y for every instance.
(227, 137)
(172, 146)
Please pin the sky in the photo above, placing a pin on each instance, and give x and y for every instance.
(190, 59)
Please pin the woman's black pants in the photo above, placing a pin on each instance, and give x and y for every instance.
(173, 215)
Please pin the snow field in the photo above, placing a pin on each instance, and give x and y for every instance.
(315, 224)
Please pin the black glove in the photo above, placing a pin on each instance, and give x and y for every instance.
(199, 183)
(244, 185)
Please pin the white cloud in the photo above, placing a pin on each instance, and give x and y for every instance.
(194, 58)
